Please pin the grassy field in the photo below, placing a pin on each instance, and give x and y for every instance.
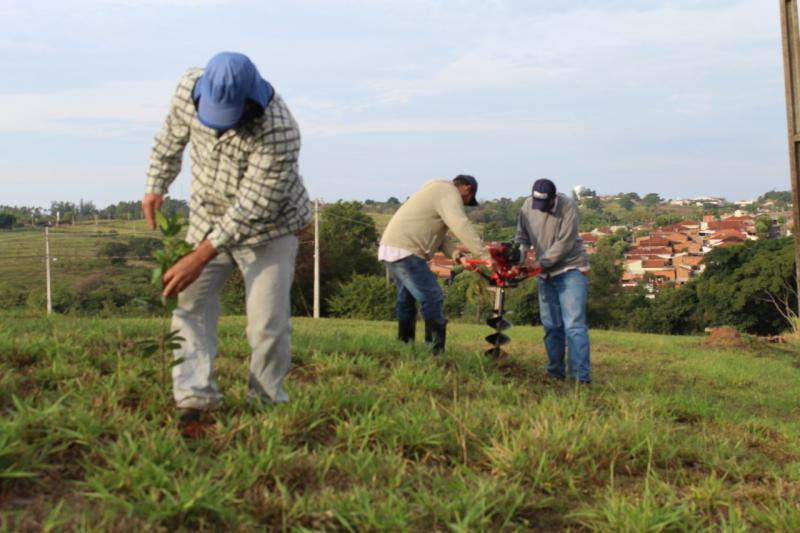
(673, 435)
(73, 252)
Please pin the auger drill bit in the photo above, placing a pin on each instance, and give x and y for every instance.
(508, 272)
(499, 323)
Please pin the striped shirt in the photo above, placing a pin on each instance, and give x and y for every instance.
(246, 189)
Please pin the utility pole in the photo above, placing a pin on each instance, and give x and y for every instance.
(316, 258)
(47, 259)
(791, 72)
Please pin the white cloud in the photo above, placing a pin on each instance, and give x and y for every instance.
(110, 109)
(474, 125)
(590, 49)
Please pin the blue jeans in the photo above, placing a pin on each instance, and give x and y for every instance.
(562, 308)
(416, 283)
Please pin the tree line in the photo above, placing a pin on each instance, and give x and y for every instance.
(67, 212)
(748, 286)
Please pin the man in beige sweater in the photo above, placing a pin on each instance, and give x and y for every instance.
(417, 231)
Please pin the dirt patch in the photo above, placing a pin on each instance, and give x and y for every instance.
(93, 280)
(513, 368)
(308, 373)
(320, 434)
(725, 337)
(19, 359)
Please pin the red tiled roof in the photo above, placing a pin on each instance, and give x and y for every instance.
(688, 260)
(655, 263)
(666, 273)
(726, 224)
(651, 241)
(729, 232)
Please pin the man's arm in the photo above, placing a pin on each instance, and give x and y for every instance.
(451, 209)
(522, 238)
(167, 155)
(565, 239)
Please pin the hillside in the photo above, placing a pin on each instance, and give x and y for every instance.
(672, 435)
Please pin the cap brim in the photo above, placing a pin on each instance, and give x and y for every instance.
(541, 205)
(218, 116)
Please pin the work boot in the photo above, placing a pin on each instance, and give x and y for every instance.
(438, 334)
(406, 329)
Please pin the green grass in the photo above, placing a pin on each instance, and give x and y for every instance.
(73, 251)
(671, 436)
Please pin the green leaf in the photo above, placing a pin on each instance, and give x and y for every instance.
(163, 223)
(182, 248)
(173, 335)
(177, 361)
(147, 351)
(156, 275)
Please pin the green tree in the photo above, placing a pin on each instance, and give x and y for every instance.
(592, 202)
(523, 301)
(348, 246)
(763, 225)
(651, 199)
(675, 311)
(364, 297)
(7, 221)
(749, 286)
(777, 197)
(604, 285)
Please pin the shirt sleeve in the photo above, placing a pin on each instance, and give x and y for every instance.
(271, 171)
(167, 154)
(449, 249)
(565, 239)
(522, 237)
(451, 209)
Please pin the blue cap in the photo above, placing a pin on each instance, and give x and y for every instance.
(228, 81)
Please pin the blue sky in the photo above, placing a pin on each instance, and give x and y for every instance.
(681, 97)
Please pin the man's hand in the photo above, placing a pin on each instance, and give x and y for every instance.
(150, 204)
(187, 269)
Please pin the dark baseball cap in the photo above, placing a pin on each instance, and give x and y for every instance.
(543, 192)
(473, 184)
(228, 81)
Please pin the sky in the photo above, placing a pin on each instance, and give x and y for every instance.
(678, 97)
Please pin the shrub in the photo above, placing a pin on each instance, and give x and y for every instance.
(365, 297)
(143, 246)
(114, 251)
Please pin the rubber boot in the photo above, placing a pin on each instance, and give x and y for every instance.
(406, 329)
(438, 331)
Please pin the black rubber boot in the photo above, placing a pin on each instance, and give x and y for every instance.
(406, 329)
(438, 331)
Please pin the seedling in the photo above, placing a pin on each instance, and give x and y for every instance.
(174, 247)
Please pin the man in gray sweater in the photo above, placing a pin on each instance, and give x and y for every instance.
(548, 222)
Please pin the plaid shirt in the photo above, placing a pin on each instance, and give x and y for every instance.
(246, 189)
